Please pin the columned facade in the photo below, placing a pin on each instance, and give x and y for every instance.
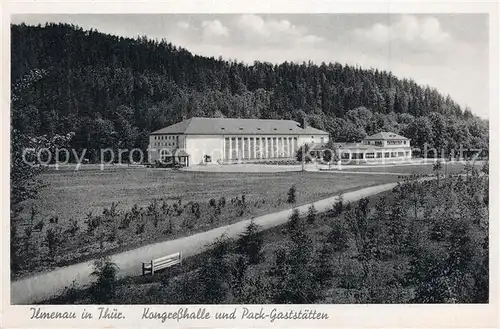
(259, 147)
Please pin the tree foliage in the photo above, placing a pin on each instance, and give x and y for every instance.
(112, 91)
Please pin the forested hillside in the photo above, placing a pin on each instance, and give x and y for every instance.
(113, 91)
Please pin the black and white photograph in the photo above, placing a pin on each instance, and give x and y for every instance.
(249, 159)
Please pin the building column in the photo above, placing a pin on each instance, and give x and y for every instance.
(255, 147)
(249, 139)
(242, 149)
(223, 156)
(236, 148)
(273, 147)
(261, 150)
(289, 141)
(230, 155)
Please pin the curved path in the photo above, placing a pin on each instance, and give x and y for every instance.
(43, 286)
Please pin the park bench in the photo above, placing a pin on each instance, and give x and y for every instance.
(161, 263)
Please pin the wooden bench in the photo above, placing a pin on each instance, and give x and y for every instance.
(161, 263)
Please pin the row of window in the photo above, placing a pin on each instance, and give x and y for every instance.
(164, 144)
(390, 142)
(167, 137)
(373, 155)
(396, 142)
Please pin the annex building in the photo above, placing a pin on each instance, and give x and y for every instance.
(386, 146)
(227, 140)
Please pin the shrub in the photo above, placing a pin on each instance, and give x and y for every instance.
(292, 197)
(73, 227)
(154, 212)
(294, 221)
(104, 289)
(135, 211)
(338, 238)
(222, 202)
(125, 222)
(39, 225)
(195, 210)
(214, 275)
(165, 207)
(111, 212)
(92, 222)
(212, 203)
(169, 229)
(338, 207)
(311, 214)
(250, 243)
(140, 228)
(53, 240)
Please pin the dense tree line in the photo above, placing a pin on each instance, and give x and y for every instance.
(113, 91)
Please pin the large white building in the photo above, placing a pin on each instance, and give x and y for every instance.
(224, 140)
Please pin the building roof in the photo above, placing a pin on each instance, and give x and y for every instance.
(356, 146)
(385, 135)
(230, 126)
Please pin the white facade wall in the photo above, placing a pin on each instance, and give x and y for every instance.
(197, 146)
(313, 139)
(242, 147)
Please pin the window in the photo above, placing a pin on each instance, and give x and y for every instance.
(357, 156)
(405, 142)
(401, 154)
(379, 155)
(370, 155)
(322, 139)
(386, 155)
(208, 158)
(393, 154)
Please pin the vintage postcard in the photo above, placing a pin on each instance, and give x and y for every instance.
(241, 164)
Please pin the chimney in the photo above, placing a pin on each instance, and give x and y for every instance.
(303, 122)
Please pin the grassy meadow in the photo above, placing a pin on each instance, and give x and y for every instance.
(420, 169)
(82, 214)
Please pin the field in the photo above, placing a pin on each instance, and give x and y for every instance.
(421, 169)
(129, 207)
(72, 194)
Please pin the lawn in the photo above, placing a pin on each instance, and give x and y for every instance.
(421, 169)
(168, 205)
(72, 194)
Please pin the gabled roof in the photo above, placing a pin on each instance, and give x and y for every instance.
(231, 126)
(385, 135)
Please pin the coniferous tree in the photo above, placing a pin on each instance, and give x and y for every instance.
(250, 243)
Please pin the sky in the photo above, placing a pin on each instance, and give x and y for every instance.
(448, 52)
